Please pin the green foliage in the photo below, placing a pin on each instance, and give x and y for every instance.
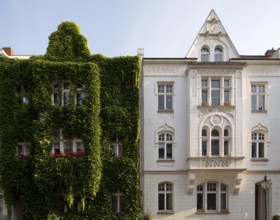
(43, 184)
(67, 44)
(276, 217)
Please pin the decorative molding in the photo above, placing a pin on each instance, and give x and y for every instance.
(216, 120)
(265, 70)
(215, 72)
(191, 180)
(229, 111)
(237, 182)
(260, 127)
(165, 69)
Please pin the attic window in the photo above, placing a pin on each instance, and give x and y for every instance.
(218, 54)
(204, 54)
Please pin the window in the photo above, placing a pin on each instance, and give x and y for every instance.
(21, 94)
(61, 94)
(62, 145)
(258, 95)
(216, 91)
(258, 145)
(117, 202)
(204, 54)
(218, 144)
(212, 197)
(165, 142)
(218, 54)
(165, 97)
(23, 148)
(117, 148)
(165, 194)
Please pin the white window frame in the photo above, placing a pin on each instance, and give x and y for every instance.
(66, 146)
(206, 151)
(117, 148)
(218, 53)
(205, 54)
(119, 198)
(63, 89)
(165, 139)
(258, 137)
(165, 192)
(224, 88)
(25, 148)
(257, 92)
(211, 187)
(165, 90)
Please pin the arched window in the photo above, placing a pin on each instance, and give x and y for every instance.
(218, 54)
(258, 145)
(212, 196)
(165, 196)
(218, 143)
(205, 54)
(165, 145)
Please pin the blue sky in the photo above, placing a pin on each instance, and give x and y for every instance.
(164, 28)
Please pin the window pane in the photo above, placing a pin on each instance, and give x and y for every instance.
(56, 98)
(226, 148)
(211, 201)
(215, 147)
(161, 150)
(204, 83)
(215, 133)
(261, 150)
(226, 96)
(254, 150)
(261, 102)
(66, 96)
(254, 102)
(169, 88)
(160, 88)
(169, 102)
(199, 204)
(115, 203)
(169, 201)
(226, 83)
(223, 201)
(254, 89)
(215, 97)
(204, 148)
(204, 96)
(218, 57)
(121, 208)
(160, 201)
(169, 151)
(161, 102)
(204, 57)
(204, 133)
(79, 98)
(215, 84)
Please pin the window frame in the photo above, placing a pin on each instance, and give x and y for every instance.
(258, 94)
(165, 193)
(165, 142)
(256, 141)
(205, 190)
(119, 198)
(66, 146)
(218, 52)
(117, 148)
(206, 141)
(204, 54)
(25, 148)
(165, 96)
(224, 90)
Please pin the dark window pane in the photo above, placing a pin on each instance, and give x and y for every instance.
(261, 102)
(199, 204)
(169, 151)
(254, 150)
(161, 151)
(215, 97)
(79, 98)
(115, 203)
(254, 102)
(161, 102)
(226, 96)
(66, 96)
(160, 201)
(211, 201)
(169, 102)
(223, 201)
(169, 201)
(215, 147)
(121, 203)
(218, 57)
(204, 96)
(215, 133)
(204, 133)
(261, 150)
(204, 148)
(226, 148)
(215, 83)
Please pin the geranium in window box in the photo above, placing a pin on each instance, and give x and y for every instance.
(227, 104)
(205, 103)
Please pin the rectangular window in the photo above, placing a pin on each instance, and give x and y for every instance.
(258, 95)
(215, 92)
(23, 147)
(211, 201)
(204, 148)
(215, 147)
(165, 97)
(117, 203)
(226, 148)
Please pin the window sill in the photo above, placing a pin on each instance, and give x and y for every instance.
(259, 160)
(202, 212)
(165, 111)
(259, 111)
(216, 106)
(165, 212)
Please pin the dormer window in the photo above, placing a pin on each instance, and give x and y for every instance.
(218, 54)
(204, 54)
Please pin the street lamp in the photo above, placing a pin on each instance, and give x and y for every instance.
(265, 185)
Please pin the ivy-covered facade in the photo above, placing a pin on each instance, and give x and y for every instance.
(69, 125)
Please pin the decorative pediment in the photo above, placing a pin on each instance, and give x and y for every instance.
(166, 127)
(260, 127)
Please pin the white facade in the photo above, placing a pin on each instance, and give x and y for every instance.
(210, 128)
